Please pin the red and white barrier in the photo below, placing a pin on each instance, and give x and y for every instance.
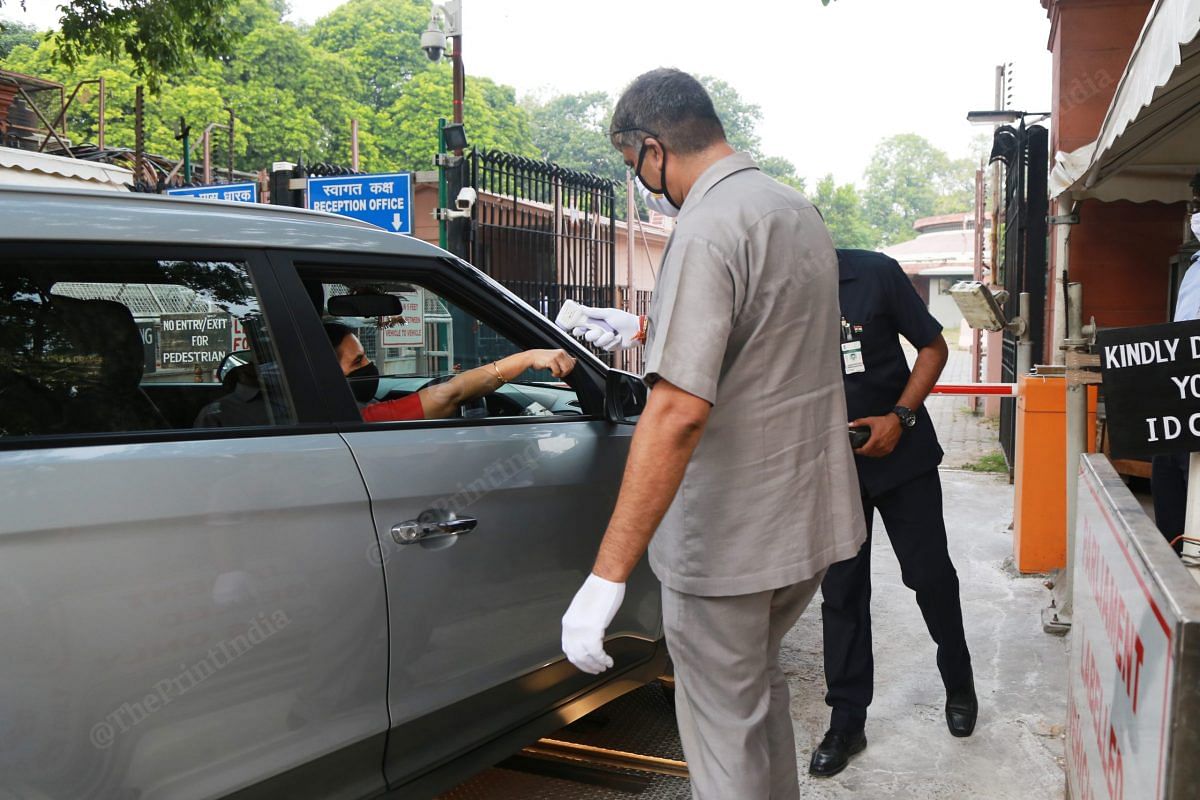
(976, 389)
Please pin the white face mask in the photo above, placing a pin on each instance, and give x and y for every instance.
(657, 202)
(1196, 225)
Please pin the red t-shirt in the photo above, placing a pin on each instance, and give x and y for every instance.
(406, 408)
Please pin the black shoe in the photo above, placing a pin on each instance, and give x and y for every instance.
(961, 709)
(833, 754)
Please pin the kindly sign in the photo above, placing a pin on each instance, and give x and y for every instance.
(382, 200)
(235, 192)
(1152, 388)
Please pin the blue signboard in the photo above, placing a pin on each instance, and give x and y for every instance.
(236, 192)
(382, 200)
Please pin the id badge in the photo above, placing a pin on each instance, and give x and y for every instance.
(852, 357)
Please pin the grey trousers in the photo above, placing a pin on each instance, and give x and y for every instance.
(731, 697)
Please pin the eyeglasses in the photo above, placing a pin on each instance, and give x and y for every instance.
(637, 169)
(631, 130)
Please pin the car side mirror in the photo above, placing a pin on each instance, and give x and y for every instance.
(624, 396)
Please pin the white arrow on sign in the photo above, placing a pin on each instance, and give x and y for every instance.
(396, 221)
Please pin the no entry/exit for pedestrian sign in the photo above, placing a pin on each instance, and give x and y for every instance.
(382, 200)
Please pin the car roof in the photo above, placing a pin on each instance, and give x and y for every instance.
(34, 213)
(43, 214)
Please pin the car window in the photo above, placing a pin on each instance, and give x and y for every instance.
(405, 348)
(111, 345)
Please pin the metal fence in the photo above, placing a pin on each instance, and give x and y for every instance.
(1024, 152)
(545, 232)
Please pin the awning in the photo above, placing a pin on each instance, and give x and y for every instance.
(1149, 144)
(29, 168)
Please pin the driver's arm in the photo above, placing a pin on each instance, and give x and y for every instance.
(443, 399)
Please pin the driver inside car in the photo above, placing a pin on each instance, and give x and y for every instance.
(437, 401)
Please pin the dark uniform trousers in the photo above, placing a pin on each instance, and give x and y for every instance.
(912, 515)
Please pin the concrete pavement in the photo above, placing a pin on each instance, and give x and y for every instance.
(1020, 674)
(1016, 752)
(966, 437)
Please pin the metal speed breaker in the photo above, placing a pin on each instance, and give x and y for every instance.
(382, 200)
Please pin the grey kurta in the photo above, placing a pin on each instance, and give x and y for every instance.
(745, 315)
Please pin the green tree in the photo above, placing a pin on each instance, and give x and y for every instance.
(15, 33)
(842, 208)
(741, 119)
(781, 170)
(907, 179)
(297, 98)
(381, 40)
(160, 37)
(571, 130)
(409, 137)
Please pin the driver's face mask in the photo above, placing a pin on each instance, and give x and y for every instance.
(656, 202)
(1196, 225)
(364, 382)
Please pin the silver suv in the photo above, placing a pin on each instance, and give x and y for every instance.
(215, 577)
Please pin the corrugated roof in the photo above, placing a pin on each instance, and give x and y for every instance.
(29, 168)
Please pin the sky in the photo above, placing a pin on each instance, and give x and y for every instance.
(831, 81)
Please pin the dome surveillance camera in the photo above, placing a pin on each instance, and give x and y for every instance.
(433, 42)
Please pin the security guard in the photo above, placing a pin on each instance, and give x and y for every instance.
(898, 475)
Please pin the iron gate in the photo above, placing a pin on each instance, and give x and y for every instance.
(1024, 152)
(545, 232)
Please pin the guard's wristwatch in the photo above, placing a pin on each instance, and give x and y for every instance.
(907, 418)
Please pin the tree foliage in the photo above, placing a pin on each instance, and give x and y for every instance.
(160, 38)
(571, 130)
(493, 119)
(741, 119)
(294, 91)
(380, 40)
(907, 179)
(842, 208)
(15, 33)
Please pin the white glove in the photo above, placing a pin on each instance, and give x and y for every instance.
(583, 625)
(624, 333)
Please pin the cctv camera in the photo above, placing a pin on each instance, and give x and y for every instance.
(433, 42)
(466, 198)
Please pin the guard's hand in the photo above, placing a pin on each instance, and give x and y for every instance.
(625, 328)
(885, 435)
(587, 618)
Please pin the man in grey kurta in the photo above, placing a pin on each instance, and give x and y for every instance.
(740, 467)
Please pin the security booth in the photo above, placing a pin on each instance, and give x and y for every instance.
(1133, 708)
(1133, 724)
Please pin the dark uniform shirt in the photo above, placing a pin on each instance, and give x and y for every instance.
(879, 304)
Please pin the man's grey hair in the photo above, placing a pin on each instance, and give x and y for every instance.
(669, 105)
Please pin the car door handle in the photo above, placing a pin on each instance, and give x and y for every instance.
(432, 524)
